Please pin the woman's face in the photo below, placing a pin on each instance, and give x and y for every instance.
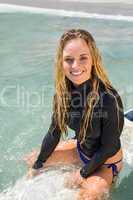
(77, 61)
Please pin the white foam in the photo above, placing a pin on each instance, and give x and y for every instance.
(102, 1)
(127, 142)
(7, 8)
(49, 186)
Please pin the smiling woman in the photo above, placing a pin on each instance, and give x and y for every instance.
(86, 101)
(77, 61)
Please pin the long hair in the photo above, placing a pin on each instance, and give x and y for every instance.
(62, 84)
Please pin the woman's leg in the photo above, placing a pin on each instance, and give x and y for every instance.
(92, 188)
(97, 186)
(65, 153)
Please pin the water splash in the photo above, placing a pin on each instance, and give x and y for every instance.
(50, 184)
(127, 142)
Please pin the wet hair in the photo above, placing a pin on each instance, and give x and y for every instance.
(61, 103)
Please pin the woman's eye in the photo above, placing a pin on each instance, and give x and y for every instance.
(69, 60)
(83, 58)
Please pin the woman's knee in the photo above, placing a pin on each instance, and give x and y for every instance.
(93, 188)
(95, 182)
(86, 194)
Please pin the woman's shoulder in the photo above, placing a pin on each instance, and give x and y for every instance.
(109, 96)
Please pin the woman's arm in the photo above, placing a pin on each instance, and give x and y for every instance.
(49, 143)
(112, 125)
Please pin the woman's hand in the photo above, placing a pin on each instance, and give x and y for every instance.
(31, 158)
(33, 172)
(74, 180)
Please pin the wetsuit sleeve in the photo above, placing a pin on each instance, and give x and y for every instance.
(112, 121)
(49, 143)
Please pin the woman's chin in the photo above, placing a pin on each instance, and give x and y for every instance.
(78, 82)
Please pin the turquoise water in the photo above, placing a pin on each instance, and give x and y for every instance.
(27, 49)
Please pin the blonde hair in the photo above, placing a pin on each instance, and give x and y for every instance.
(62, 84)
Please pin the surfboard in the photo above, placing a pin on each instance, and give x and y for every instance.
(129, 118)
(129, 115)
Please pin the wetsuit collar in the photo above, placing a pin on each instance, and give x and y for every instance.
(84, 86)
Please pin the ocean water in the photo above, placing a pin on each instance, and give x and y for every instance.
(28, 42)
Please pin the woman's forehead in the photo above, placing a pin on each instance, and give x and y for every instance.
(76, 46)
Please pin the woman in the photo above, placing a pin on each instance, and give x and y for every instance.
(86, 101)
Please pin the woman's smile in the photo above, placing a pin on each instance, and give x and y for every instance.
(77, 72)
(77, 61)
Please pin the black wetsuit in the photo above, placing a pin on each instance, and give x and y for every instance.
(102, 138)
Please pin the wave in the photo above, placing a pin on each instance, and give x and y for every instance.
(8, 8)
(102, 1)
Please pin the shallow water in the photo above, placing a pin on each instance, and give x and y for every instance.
(27, 49)
(50, 184)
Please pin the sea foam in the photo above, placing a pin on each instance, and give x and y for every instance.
(7, 8)
(50, 184)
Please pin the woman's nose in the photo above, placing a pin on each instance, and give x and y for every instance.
(75, 64)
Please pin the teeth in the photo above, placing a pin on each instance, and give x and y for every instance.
(77, 73)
